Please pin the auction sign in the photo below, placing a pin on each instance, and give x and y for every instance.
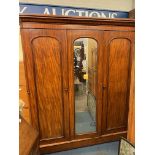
(27, 8)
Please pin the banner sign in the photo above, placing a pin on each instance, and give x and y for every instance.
(26, 8)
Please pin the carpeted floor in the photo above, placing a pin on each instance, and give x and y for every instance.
(101, 149)
(84, 123)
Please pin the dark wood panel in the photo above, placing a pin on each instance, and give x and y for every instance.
(131, 116)
(118, 47)
(77, 20)
(45, 56)
(29, 74)
(55, 26)
(119, 54)
(48, 77)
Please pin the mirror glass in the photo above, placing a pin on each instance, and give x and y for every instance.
(85, 80)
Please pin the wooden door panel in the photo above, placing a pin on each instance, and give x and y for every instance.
(47, 62)
(119, 53)
(118, 46)
(131, 116)
(48, 82)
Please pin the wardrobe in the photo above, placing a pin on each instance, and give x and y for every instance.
(78, 73)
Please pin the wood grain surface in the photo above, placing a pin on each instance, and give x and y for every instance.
(47, 82)
(48, 58)
(28, 139)
(76, 20)
(23, 93)
(119, 56)
(131, 117)
(47, 63)
(119, 53)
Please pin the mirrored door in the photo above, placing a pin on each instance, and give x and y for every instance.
(85, 82)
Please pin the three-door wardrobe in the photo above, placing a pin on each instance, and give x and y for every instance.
(78, 73)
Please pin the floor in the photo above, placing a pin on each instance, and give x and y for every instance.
(101, 149)
(84, 123)
(81, 99)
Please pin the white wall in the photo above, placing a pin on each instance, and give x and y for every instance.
(133, 4)
(120, 5)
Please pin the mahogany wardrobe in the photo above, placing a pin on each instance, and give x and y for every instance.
(78, 73)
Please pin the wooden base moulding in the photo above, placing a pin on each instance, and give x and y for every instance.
(62, 146)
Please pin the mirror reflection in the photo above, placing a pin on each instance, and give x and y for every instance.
(85, 80)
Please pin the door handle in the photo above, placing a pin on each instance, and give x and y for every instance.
(66, 89)
(28, 92)
(104, 87)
